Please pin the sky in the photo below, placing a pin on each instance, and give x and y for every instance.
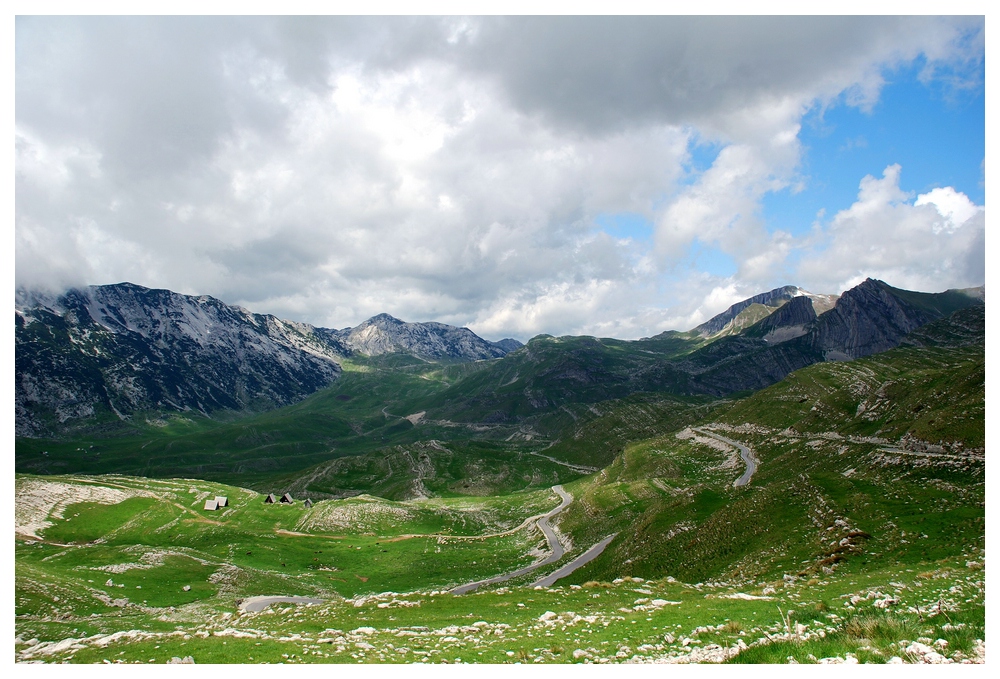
(609, 176)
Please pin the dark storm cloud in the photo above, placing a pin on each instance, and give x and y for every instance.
(603, 73)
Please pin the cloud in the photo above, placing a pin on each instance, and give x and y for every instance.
(936, 241)
(600, 73)
(454, 169)
(954, 206)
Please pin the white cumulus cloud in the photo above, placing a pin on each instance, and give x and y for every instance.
(954, 207)
(325, 169)
(885, 235)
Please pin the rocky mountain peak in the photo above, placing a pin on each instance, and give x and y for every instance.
(385, 334)
(383, 320)
(873, 317)
(767, 300)
(109, 351)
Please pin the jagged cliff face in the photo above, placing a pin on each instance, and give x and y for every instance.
(791, 320)
(124, 349)
(772, 299)
(384, 334)
(107, 353)
(866, 320)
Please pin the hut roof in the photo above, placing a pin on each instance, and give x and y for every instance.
(222, 500)
(270, 499)
(308, 502)
(287, 497)
(211, 505)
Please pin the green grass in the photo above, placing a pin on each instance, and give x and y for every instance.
(449, 469)
(344, 419)
(597, 622)
(861, 532)
(355, 546)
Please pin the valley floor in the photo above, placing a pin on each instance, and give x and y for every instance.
(111, 590)
(835, 517)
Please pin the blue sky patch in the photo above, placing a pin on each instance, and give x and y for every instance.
(936, 133)
(710, 259)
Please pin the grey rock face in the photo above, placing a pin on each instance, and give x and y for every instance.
(798, 311)
(105, 353)
(384, 334)
(866, 320)
(508, 344)
(791, 320)
(772, 298)
(121, 349)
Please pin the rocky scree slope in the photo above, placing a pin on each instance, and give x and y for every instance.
(98, 355)
(108, 352)
(384, 334)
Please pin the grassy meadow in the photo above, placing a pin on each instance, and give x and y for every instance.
(859, 538)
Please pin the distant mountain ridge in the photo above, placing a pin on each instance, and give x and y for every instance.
(383, 334)
(105, 353)
(92, 357)
(745, 313)
(551, 373)
(867, 319)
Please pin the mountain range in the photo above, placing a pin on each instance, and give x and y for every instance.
(685, 511)
(113, 351)
(99, 356)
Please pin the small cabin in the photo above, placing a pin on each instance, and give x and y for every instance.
(287, 499)
(308, 503)
(222, 501)
(211, 505)
(270, 499)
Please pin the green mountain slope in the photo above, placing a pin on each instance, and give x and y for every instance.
(360, 412)
(852, 539)
(868, 451)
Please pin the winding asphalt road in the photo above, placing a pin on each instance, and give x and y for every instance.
(584, 558)
(550, 535)
(745, 453)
